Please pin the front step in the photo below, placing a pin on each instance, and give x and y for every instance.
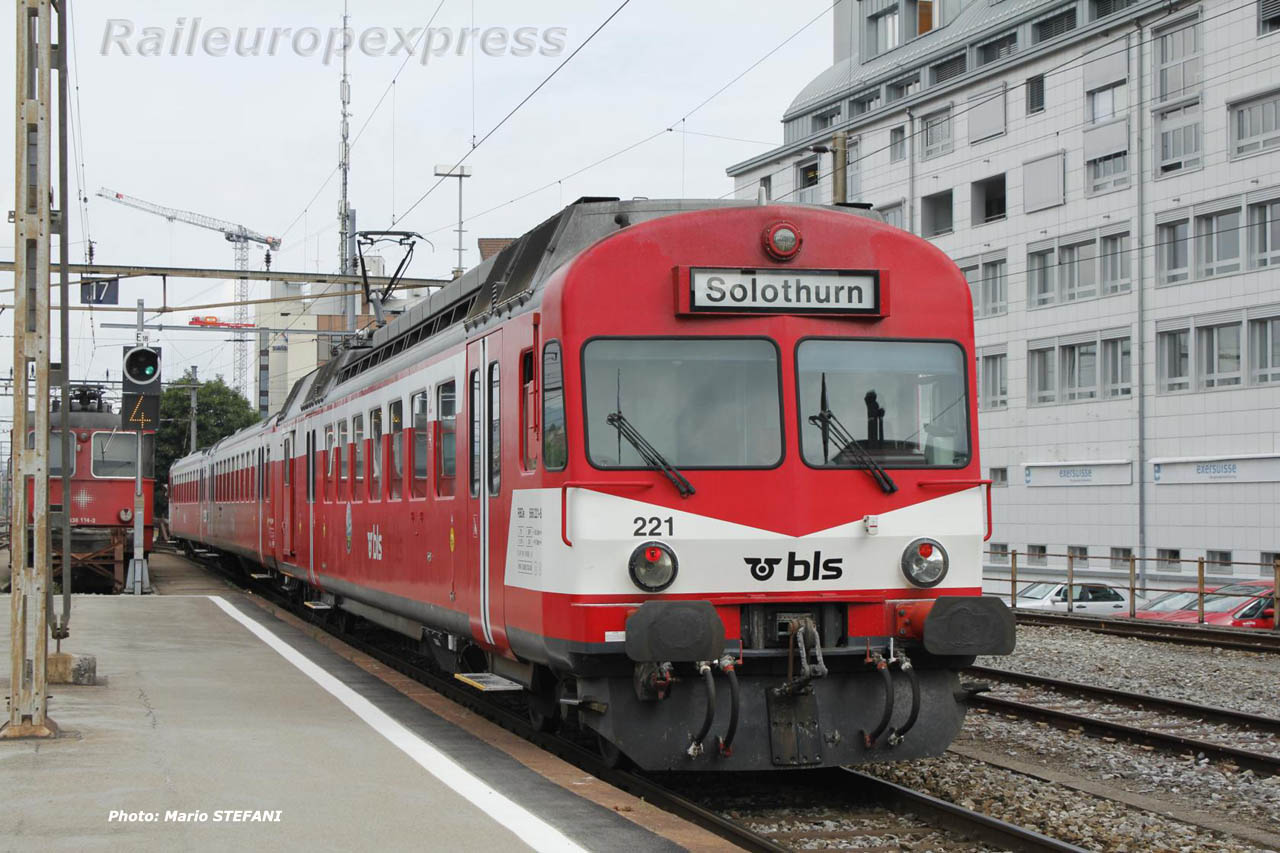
(487, 682)
(260, 577)
(317, 605)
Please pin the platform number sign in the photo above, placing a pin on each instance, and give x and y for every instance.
(140, 412)
(100, 292)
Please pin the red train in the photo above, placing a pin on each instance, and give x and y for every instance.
(703, 473)
(103, 468)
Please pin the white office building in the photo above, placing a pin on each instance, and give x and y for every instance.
(1107, 174)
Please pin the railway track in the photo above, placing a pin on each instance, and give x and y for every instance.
(859, 789)
(1243, 639)
(1169, 724)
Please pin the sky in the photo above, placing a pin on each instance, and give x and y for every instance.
(252, 139)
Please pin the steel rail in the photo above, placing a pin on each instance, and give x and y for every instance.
(1244, 639)
(967, 822)
(1257, 762)
(1135, 700)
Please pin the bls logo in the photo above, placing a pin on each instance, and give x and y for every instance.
(374, 539)
(816, 569)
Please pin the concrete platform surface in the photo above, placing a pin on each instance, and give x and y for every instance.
(221, 727)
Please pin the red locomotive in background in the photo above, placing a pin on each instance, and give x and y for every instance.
(704, 474)
(104, 463)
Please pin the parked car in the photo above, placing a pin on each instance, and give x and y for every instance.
(1165, 606)
(1233, 611)
(1092, 598)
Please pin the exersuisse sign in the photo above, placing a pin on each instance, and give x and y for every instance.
(732, 291)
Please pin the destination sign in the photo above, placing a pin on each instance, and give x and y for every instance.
(784, 291)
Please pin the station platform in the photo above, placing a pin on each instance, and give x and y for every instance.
(218, 724)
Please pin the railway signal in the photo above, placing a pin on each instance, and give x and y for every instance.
(141, 370)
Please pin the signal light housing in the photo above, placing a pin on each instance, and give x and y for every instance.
(142, 370)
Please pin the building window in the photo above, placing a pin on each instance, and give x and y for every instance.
(1115, 263)
(1170, 559)
(1037, 555)
(1035, 94)
(1000, 477)
(1268, 559)
(1006, 45)
(1255, 125)
(1264, 233)
(884, 30)
(999, 552)
(1063, 22)
(947, 69)
(766, 187)
(987, 199)
(897, 144)
(826, 119)
(853, 169)
(864, 103)
(995, 381)
(1080, 371)
(1108, 173)
(1107, 103)
(1218, 243)
(893, 214)
(1103, 8)
(1042, 376)
(1117, 361)
(937, 134)
(1178, 61)
(1219, 561)
(1077, 271)
(1079, 555)
(1178, 139)
(1264, 336)
(1173, 250)
(807, 176)
(1173, 354)
(1220, 356)
(993, 292)
(903, 88)
(1120, 557)
(936, 214)
(1268, 16)
(1040, 277)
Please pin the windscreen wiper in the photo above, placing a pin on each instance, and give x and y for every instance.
(831, 427)
(649, 453)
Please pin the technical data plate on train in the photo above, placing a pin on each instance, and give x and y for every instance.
(730, 291)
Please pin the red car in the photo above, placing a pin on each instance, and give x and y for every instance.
(1166, 606)
(1242, 610)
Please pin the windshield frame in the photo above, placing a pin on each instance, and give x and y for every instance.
(782, 403)
(971, 430)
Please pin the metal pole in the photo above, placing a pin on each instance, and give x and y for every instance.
(61, 628)
(1013, 579)
(195, 373)
(1133, 599)
(33, 226)
(1200, 589)
(460, 231)
(1071, 575)
(138, 581)
(1275, 593)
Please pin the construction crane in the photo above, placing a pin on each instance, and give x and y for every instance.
(240, 237)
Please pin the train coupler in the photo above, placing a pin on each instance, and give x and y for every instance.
(897, 736)
(803, 638)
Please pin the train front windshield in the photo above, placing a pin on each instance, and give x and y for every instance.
(903, 402)
(702, 403)
(115, 454)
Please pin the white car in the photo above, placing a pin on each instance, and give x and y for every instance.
(1091, 598)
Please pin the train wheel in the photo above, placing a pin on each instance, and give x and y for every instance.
(609, 752)
(544, 700)
(541, 718)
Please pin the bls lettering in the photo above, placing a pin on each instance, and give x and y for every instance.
(818, 569)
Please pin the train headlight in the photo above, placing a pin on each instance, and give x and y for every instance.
(653, 567)
(126, 515)
(782, 241)
(925, 562)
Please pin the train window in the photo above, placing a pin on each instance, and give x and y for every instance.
(357, 439)
(904, 401)
(115, 454)
(311, 466)
(528, 413)
(555, 448)
(266, 481)
(340, 452)
(375, 454)
(702, 402)
(418, 443)
(495, 431)
(447, 438)
(55, 453)
(473, 412)
(330, 464)
(287, 461)
(395, 415)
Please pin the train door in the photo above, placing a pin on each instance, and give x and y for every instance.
(482, 580)
(286, 495)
